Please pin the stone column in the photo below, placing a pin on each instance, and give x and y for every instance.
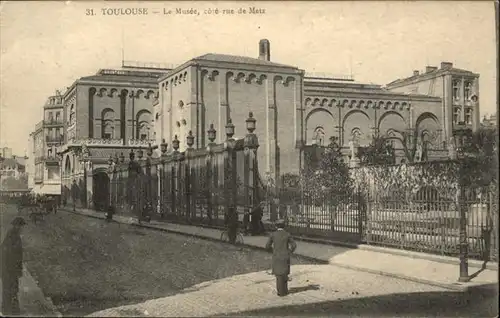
(270, 129)
(223, 103)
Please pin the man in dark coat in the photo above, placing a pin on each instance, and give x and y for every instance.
(282, 245)
(12, 267)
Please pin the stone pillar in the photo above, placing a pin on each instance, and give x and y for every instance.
(448, 107)
(270, 129)
(223, 104)
(89, 186)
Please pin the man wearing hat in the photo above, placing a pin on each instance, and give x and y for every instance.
(12, 267)
(282, 245)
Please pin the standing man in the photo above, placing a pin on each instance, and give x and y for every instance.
(282, 245)
(12, 267)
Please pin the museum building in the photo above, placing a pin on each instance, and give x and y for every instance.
(294, 110)
(108, 114)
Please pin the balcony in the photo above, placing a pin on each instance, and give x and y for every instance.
(53, 123)
(52, 159)
(54, 140)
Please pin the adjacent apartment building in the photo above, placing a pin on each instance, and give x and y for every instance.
(44, 140)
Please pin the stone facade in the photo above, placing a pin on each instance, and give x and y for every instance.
(213, 88)
(44, 140)
(457, 89)
(294, 110)
(104, 115)
(113, 111)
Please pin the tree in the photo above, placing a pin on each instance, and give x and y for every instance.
(330, 180)
(379, 152)
(482, 157)
(416, 143)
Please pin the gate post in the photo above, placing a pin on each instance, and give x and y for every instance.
(231, 212)
(188, 185)
(132, 183)
(250, 144)
(162, 179)
(175, 173)
(209, 163)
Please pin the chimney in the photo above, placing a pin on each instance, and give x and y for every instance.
(264, 50)
(446, 65)
(429, 69)
(416, 73)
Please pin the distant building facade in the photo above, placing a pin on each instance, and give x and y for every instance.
(13, 174)
(44, 140)
(457, 89)
(490, 122)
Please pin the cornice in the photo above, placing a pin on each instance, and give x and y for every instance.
(135, 85)
(370, 95)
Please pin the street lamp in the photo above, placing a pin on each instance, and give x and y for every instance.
(211, 133)
(250, 123)
(229, 129)
(163, 147)
(462, 137)
(190, 139)
(85, 161)
(175, 143)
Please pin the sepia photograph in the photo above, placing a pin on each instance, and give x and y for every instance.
(249, 158)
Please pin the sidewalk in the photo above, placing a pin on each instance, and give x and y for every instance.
(315, 290)
(32, 302)
(438, 271)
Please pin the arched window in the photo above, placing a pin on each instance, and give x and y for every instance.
(319, 136)
(108, 130)
(356, 134)
(144, 131)
(108, 124)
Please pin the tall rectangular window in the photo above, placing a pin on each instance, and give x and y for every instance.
(468, 116)
(456, 115)
(468, 89)
(456, 90)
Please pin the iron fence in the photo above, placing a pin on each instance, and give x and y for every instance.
(196, 186)
(423, 221)
(431, 223)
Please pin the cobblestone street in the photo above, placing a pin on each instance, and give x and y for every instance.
(86, 264)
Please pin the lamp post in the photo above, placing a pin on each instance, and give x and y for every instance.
(73, 192)
(211, 133)
(122, 184)
(462, 137)
(85, 160)
(149, 187)
(230, 184)
(111, 166)
(161, 178)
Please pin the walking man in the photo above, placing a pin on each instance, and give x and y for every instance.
(12, 267)
(282, 245)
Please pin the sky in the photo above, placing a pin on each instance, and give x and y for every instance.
(48, 45)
